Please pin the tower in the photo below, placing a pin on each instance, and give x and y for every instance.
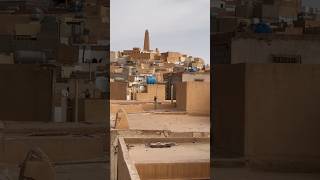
(146, 45)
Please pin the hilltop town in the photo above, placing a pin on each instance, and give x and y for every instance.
(141, 67)
(160, 114)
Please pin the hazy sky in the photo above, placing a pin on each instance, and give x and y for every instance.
(174, 25)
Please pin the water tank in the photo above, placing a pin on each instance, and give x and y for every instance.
(262, 28)
(151, 80)
(142, 88)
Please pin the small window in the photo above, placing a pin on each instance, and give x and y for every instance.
(291, 59)
(200, 80)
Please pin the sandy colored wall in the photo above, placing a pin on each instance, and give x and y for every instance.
(95, 110)
(280, 119)
(194, 97)
(126, 168)
(118, 90)
(198, 98)
(194, 76)
(254, 50)
(181, 96)
(152, 90)
(228, 127)
(25, 93)
(174, 170)
(282, 115)
(58, 149)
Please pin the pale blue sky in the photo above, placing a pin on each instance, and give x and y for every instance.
(174, 25)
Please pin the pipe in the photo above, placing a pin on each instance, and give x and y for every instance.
(76, 101)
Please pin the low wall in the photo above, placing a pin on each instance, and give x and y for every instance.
(126, 168)
(118, 90)
(192, 170)
(58, 149)
(152, 91)
(193, 97)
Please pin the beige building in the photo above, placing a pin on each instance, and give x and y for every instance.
(279, 10)
(171, 57)
(118, 90)
(152, 90)
(193, 97)
(273, 48)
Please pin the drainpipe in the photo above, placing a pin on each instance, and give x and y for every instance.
(76, 101)
(171, 93)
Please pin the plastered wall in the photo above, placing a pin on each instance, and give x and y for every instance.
(152, 91)
(118, 90)
(194, 97)
(25, 93)
(273, 113)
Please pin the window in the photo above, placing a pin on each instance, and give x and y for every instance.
(292, 59)
(199, 80)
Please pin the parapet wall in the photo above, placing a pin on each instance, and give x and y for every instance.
(118, 90)
(275, 108)
(193, 97)
(152, 91)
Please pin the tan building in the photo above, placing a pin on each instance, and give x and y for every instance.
(275, 48)
(170, 57)
(118, 90)
(193, 97)
(151, 91)
(26, 93)
(138, 55)
(279, 10)
(196, 77)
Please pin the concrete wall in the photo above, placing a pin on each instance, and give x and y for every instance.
(95, 110)
(25, 93)
(152, 91)
(181, 95)
(118, 90)
(192, 170)
(281, 114)
(228, 128)
(126, 168)
(58, 148)
(193, 97)
(258, 49)
(196, 76)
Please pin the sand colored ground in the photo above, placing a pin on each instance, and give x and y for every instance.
(172, 122)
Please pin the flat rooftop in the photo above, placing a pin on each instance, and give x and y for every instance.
(169, 121)
(248, 174)
(180, 153)
(186, 158)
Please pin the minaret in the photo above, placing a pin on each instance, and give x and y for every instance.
(146, 45)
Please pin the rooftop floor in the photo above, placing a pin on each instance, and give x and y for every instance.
(182, 152)
(166, 121)
(247, 174)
